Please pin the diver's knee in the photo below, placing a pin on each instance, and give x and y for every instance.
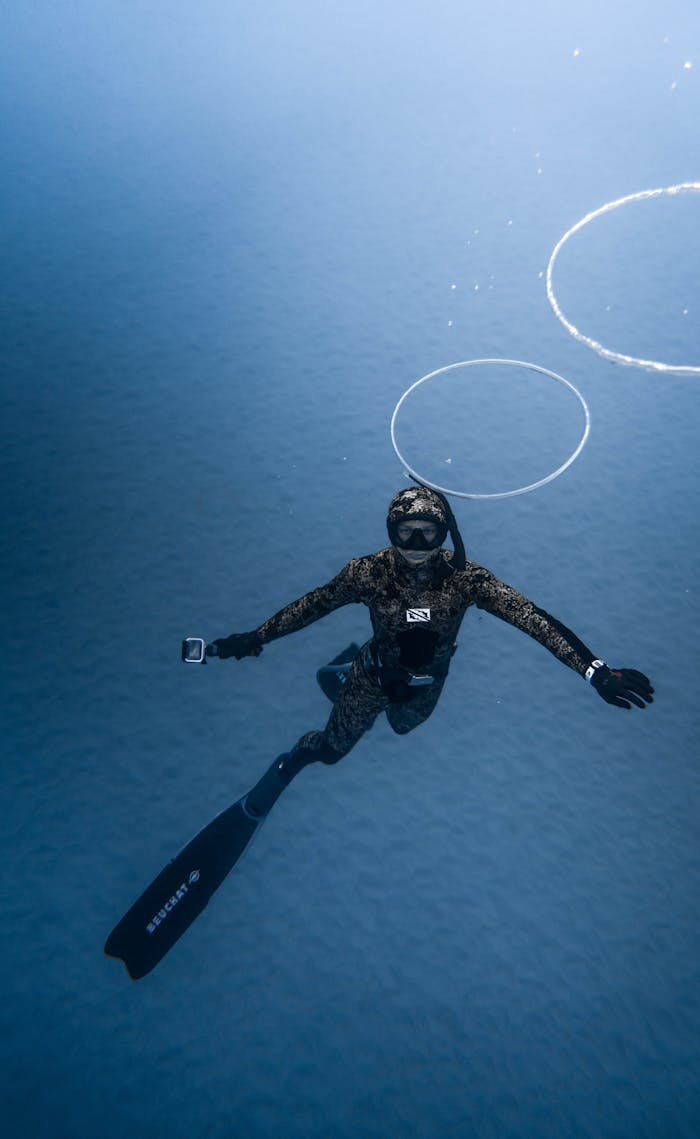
(402, 729)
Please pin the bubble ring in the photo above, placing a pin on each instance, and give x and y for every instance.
(616, 357)
(504, 493)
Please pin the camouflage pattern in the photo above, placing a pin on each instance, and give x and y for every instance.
(413, 611)
(416, 502)
(356, 709)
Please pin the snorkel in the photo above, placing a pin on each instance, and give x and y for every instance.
(459, 560)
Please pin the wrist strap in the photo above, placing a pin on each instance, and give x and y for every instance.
(593, 668)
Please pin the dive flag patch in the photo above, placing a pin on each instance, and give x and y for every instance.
(417, 615)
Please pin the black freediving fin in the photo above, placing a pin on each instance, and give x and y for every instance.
(183, 888)
(332, 676)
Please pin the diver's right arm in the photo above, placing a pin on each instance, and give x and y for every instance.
(342, 590)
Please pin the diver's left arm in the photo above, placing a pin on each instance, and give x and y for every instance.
(621, 687)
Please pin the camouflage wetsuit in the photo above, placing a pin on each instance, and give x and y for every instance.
(416, 614)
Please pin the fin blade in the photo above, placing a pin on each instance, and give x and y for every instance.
(177, 896)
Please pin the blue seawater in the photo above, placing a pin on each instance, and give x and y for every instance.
(230, 236)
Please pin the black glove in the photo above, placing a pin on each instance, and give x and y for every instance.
(623, 686)
(238, 645)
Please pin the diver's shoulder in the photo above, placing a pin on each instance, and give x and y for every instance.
(472, 571)
(370, 564)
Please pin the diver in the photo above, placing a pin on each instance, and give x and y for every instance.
(417, 594)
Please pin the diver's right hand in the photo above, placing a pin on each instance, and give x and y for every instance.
(239, 645)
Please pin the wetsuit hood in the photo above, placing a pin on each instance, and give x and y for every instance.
(413, 503)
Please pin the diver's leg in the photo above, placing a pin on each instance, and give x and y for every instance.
(353, 714)
(407, 716)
